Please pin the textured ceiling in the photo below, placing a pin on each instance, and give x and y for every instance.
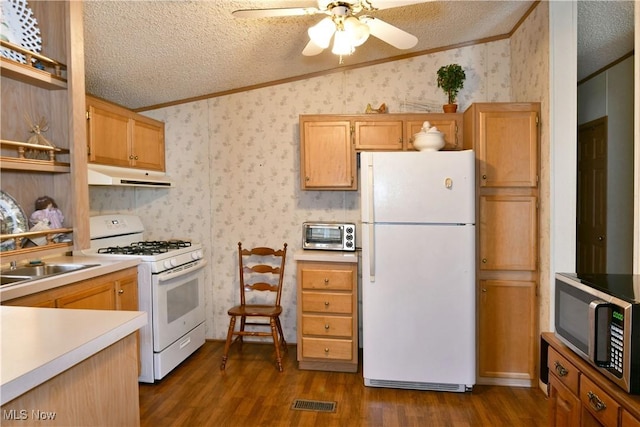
(145, 53)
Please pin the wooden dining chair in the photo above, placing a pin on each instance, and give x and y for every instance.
(261, 277)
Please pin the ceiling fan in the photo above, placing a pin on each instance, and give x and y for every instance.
(342, 24)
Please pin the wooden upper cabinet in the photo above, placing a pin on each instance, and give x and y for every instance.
(120, 137)
(105, 125)
(449, 124)
(379, 134)
(506, 138)
(148, 144)
(327, 156)
(328, 143)
(394, 132)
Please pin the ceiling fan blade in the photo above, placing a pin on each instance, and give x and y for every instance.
(389, 34)
(312, 49)
(389, 4)
(267, 13)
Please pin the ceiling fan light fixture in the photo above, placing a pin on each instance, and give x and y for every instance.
(358, 31)
(320, 34)
(342, 43)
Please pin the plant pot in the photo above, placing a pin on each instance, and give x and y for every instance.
(450, 108)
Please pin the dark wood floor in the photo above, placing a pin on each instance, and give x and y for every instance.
(251, 392)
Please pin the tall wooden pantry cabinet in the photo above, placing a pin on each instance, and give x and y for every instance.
(505, 137)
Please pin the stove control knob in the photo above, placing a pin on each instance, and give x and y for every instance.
(173, 262)
(167, 263)
(196, 254)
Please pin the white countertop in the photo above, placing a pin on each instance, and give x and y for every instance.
(106, 265)
(325, 256)
(40, 343)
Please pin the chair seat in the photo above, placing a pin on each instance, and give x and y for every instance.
(255, 310)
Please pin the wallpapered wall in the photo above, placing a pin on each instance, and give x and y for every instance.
(235, 159)
(530, 82)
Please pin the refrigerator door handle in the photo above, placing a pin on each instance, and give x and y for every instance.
(371, 219)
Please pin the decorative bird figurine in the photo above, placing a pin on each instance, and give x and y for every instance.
(381, 109)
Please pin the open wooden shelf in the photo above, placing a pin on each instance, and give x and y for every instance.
(27, 73)
(21, 162)
(19, 238)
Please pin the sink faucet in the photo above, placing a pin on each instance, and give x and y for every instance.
(14, 265)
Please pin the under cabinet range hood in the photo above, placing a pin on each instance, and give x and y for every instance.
(116, 176)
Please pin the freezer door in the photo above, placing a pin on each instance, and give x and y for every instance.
(418, 187)
(419, 313)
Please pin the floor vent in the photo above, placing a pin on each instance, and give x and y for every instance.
(313, 405)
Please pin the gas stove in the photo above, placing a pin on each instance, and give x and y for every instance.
(170, 288)
(123, 236)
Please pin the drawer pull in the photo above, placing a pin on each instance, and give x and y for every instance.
(326, 280)
(326, 303)
(560, 370)
(326, 350)
(595, 402)
(326, 326)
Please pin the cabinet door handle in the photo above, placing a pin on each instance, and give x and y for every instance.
(560, 370)
(136, 157)
(121, 291)
(595, 402)
(131, 157)
(484, 260)
(484, 176)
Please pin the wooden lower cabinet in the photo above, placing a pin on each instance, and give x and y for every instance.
(627, 420)
(579, 396)
(115, 291)
(327, 316)
(508, 331)
(564, 406)
(94, 297)
(126, 287)
(101, 390)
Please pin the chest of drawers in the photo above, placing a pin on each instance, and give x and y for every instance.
(327, 316)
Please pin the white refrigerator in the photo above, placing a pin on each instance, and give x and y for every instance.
(418, 269)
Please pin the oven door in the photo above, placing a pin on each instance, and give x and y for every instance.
(178, 303)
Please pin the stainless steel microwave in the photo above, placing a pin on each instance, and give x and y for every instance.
(598, 317)
(329, 236)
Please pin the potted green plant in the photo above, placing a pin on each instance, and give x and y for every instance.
(451, 80)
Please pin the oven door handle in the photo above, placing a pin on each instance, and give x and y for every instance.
(163, 277)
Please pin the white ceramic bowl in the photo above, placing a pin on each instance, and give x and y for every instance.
(428, 141)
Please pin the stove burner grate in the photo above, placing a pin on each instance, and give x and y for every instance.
(146, 247)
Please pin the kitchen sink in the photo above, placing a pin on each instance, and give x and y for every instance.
(10, 280)
(39, 271)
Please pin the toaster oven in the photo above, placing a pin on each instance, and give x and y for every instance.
(329, 236)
